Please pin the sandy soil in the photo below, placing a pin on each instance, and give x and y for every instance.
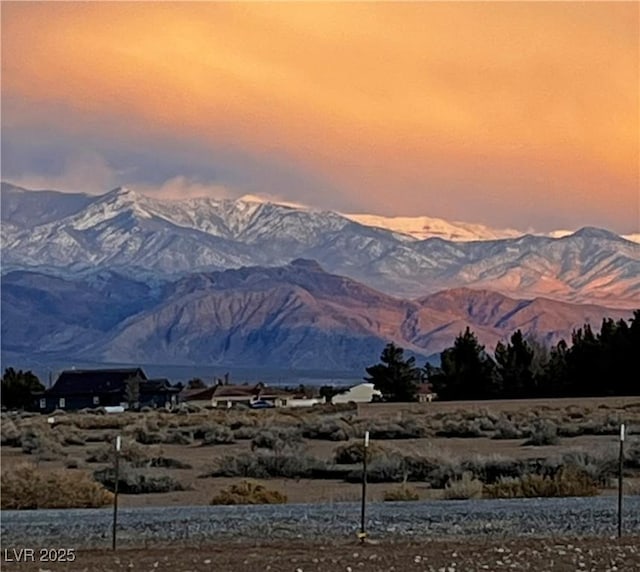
(312, 555)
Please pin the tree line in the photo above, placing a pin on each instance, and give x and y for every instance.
(606, 363)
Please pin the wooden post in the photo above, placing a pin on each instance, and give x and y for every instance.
(620, 480)
(363, 532)
(115, 491)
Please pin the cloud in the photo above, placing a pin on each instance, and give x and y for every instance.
(183, 187)
(512, 113)
(83, 171)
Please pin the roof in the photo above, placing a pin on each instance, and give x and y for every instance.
(158, 385)
(425, 389)
(202, 394)
(248, 391)
(80, 381)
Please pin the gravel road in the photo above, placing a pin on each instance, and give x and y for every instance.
(490, 519)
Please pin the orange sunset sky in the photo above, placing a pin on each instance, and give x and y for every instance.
(513, 114)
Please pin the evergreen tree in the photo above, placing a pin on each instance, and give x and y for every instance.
(396, 377)
(17, 388)
(196, 383)
(465, 372)
(514, 362)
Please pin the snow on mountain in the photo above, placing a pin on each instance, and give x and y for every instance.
(423, 227)
(154, 239)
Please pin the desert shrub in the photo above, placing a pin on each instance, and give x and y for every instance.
(95, 420)
(41, 444)
(443, 474)
(247, 492)
(354, 453)
(178, 437)
(246, 432)
(570, 430)
(632, 455)
(632, 488)
(327, 430)
(135, 481)
(279, 439)
(600, 467)
(146, 437)
(401, 493)
(465, 487)
(265, 464)
(386, 469)
(26, 487)
(72, 463)
(506, 429)
(68, 435)
(543, 433)
(567, 482)
(218, 435)
(461, 428)
(405, 429)
(9, 434)
(164, 462)
(490, 468)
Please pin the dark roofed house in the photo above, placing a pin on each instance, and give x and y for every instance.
(80, 388)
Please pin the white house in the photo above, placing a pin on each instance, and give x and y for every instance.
(361, 393)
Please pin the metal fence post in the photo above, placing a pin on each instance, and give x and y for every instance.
(363, 532)
(620, 479)
(115, 491)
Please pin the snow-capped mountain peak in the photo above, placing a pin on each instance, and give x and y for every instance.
(402, 256)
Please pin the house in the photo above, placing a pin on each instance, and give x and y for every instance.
(425, 393)
(80, 388)
(361, 393)
(229, 395)
(199, 396)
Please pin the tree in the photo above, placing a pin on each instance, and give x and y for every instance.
(396, 378)
(514, 361)
(465, 372)
(132, 392)
(328, 392)
(17, 388)
(196, 383)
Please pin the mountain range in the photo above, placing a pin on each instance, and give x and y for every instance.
(74, 234)
(127, 278)
(298, 315)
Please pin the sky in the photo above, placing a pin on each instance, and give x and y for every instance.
(513, 114)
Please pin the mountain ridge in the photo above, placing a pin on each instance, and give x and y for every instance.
(296, 315)
(157, 240)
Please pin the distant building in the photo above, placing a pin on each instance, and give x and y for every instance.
(361, 393)
(425, 393)
(230, 395)
(80, 388)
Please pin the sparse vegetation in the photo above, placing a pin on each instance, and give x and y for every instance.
(543, 433)
(465, 487)
(247, 492)
(287, 444)
(27, 487)
(567, 482)
(135, 481)
(403, 492)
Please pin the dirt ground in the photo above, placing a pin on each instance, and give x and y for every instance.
(348, 555)
(199, 491)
